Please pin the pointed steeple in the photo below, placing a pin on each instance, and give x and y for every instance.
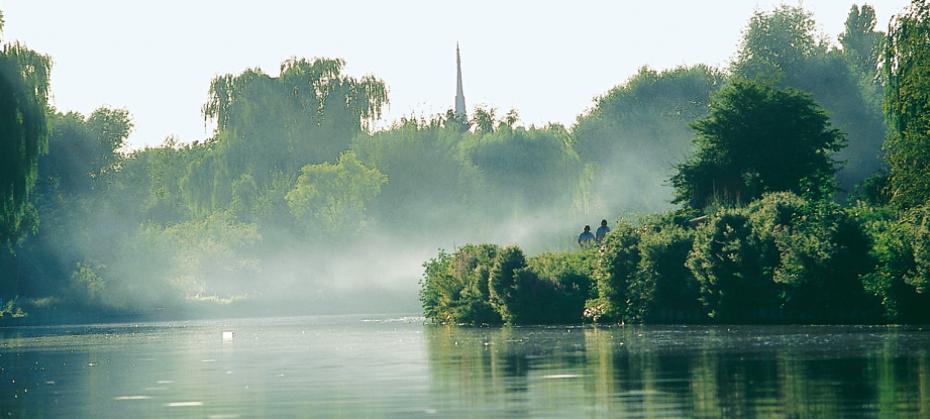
(459, 93)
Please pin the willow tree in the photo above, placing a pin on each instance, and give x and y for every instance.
(23, 133)
(907, 104)
(307, 115)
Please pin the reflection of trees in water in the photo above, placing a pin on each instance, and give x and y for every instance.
(707, 372)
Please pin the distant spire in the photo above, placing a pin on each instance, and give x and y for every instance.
(459, 93)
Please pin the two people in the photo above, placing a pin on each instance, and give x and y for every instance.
(586, 239)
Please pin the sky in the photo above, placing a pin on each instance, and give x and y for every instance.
(547, 59)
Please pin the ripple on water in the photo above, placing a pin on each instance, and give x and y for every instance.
(122, 398)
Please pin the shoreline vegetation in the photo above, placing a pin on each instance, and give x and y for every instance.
(759, 236)
(790, 186)
(780, 259)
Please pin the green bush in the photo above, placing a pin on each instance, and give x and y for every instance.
(616, 264)
(506, 287)
(816, 254)
(733, 270)
(485, 284)
(570, 274)
(901, 253)
(782, 259)
(664, 290)
(454, 288)
(552, 289)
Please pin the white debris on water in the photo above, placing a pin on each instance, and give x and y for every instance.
(184, 404)
(228, 335)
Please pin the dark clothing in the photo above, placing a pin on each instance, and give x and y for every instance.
(602, 232)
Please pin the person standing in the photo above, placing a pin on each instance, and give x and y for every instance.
(586, 239)
(602, 231)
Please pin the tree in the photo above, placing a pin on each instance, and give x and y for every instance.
(329, 197)
(784, 48)
(410, 152)
(537, 168)
(308, 114)
(862, 44)
(777, 44)
(82, 149)
(24, 77)
(907, 105)
(758, 139)
(638, 131)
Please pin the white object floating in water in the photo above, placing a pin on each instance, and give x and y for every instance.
(184, 404)
(227, 336)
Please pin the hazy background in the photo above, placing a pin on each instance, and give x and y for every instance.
(287, 201)
(157, 58)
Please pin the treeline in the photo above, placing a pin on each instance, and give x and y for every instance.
(293, 186)
(759, 236)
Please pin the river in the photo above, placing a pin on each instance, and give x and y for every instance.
(398, 367)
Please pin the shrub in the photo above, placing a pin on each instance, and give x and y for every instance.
(454, 288)
(731, 269)
(570, 275)
(616, 264)
(816, 253)
(505, 286)
(900, 250)
(663, 289)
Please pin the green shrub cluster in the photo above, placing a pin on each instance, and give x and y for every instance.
(780, 259)
(488, 284)
(901, 253)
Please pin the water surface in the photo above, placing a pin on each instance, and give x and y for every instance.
(389, 366)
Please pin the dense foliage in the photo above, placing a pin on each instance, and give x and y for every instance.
(757, 139)
(783, 47)
(24, 76)
(487, 284)
(907, 105)
(295, 198)
(781, 258)
(760, 238)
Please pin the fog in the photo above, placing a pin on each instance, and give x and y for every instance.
(297, 204)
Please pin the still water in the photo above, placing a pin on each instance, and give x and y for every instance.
(388, 366)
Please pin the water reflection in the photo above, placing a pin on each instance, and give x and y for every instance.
(381, 367)
(685, 371)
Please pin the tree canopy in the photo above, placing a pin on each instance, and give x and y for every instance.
(758, 139)
(783, 47)
(907, 105)
(24, 78)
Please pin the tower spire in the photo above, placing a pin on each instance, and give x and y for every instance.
(459, 93)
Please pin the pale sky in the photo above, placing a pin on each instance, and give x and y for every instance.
(547, 59)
